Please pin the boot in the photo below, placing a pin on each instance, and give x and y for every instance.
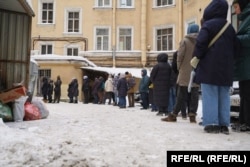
(170, 118)
(192, 119)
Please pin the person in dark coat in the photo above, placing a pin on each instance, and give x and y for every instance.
(160, 77)
(214, 71)
(86, 89)
(44, 88)
(144, 89)
(242, 64)
(50, 90)
(122, 88)
(57, 89)
(73, 91)
(94, 90)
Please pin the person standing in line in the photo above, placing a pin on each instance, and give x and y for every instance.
(86, 89)
(184, 56)
(131, 90)
(214, 67)
(44, 89)
(50, 90)
(176, 72)
(101, 90)
(73, 91)
(94, 90)
(154, 108)
(57, 89)
(172, 90)
(115, 82)
(143, 89)
(242, 64)
(122, 88)
(160, 77)
(108, 89)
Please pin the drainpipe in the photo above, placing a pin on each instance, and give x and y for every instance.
(114, 33)
(144, 33)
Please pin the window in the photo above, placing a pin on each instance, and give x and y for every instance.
(102, 39)
(73, 21)
(46, 49)
(164, 39)
(72, 51)
(125, 39)
(163, 2)
(126, 3)
(103, 3)
(46, 16)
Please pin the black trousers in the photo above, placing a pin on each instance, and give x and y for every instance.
(244, 116)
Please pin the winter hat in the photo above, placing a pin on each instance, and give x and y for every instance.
(242, 3)
(85, 77)
(193, 28)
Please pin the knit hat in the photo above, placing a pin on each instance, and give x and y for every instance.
(242, 3)
(193, 28)
(85, 77)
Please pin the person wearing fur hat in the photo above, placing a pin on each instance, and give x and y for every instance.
(242, 65)
(184, 55)
(214, 71)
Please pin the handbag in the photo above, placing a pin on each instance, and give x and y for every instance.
(194, 61)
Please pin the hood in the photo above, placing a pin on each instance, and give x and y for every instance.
(216, 9)
(162, 57)
(144, 72)
(192, 37)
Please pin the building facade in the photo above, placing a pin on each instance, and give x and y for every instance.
(110, 33)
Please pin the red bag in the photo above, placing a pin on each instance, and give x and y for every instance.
(31, 112)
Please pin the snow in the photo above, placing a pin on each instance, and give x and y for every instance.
(93, 135)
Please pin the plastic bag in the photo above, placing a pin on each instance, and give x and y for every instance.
(41, 106)
(5, 112)
(18, 108)
(31, 112)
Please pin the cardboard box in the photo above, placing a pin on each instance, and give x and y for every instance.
(12, 94)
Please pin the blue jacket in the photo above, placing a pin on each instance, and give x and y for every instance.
(216, 63)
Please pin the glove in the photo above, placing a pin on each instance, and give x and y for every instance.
(194, 62)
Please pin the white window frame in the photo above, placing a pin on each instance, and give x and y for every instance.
(66, 12)
(66, 47)
(160, 28)
(40, 5)
(46, 43)
(104, 5)
(118, 37)
(95, 37)
(168, 4)
(123, 4)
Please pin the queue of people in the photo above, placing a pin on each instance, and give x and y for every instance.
(214, 52)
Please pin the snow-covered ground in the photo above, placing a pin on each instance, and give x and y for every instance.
(81, 135)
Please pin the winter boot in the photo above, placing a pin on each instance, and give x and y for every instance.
(170, 118)
(192, 117)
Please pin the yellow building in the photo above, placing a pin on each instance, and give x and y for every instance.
(110, 33)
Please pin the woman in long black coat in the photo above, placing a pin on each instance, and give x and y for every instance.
(160, 76)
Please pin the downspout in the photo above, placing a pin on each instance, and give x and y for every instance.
(144, 33)
(114, 33)
(181, 14)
